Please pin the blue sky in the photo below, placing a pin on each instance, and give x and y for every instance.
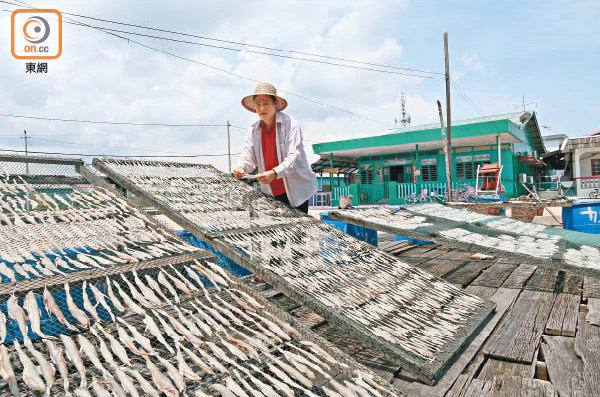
(500, 50)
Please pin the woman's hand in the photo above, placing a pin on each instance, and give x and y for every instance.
(266, 177)
(238, 172)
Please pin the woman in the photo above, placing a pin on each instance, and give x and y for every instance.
(274, 146)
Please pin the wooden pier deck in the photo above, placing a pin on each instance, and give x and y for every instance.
(544, 338)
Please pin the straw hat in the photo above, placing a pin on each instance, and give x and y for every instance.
(263, 89)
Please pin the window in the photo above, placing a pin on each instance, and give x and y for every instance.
(429, 173)
(366, 173)
(468, 170)
(595, 167)
(460, 170)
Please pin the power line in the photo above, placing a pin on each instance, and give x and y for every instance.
(129, 40)
(107, 146)
(242, 43)
(250, 51)
(467, 99)
(116, 155)
(114, 122)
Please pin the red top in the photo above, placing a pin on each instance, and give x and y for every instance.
(269, 149)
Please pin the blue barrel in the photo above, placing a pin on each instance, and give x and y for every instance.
(583, 216)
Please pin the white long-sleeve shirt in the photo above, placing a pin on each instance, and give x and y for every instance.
(299, 180)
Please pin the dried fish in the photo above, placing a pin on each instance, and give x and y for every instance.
(115, 301)
(52, 307)
(98, 389)
(126, 382)
(56, 354)
(100, 298)
(139, 338)
(114, 386)
(7, 372)
(16, 313)
(144, 384)
(155, 331)
(90, 351)
(3, 331)
(30, 375)
(47, 371)
(174, 374)
(87, 304)
(115, 346)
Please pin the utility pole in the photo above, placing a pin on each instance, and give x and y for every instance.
(229, 146)
(26, 164)
(448, 140)
(28, 203)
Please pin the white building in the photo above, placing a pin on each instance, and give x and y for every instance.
(583, 157)
(554, 141)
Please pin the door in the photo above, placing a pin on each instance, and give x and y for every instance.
(397, 173)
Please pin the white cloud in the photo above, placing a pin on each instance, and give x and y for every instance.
(100, 77)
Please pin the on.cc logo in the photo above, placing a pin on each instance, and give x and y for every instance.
(32, 30)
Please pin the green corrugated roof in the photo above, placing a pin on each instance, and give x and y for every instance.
(509, 124)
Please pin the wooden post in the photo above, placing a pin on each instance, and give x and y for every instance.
(448, 117)
(499, 144)
(331, 174)
(229, 146)
(447, 154)
(418, 170)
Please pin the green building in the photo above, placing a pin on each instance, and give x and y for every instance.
(409, 159)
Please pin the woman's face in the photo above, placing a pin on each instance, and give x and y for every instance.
(265, 108)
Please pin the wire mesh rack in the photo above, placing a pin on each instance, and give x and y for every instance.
(415, 318)
(202, 194)
(494, 234)
(199, 338)
(84, 271)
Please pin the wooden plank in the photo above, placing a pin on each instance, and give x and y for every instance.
(456, 255)
(271, 293)
(484, 292)
(459, 388)
(398, 251)
(573, 283)
(419, 251)
(478, 388)
(439, 267)
(495, 275)
(516, 339)
(517, 386)
(571, 318)
(437, 251)
(544, 279)
(307, 317)
(519, 276)
(504, 299)
(587, 347)
(493, 367)
(593, 314)
(591, 287)
(466, 273)
(384, 245)
(563, 317)
(564, 367)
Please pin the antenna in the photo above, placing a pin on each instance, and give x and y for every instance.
(525, 104)
(405, 116)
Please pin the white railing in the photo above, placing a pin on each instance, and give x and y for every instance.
(406, 189)
(320, 199)
(589, 182)
(340, 191)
